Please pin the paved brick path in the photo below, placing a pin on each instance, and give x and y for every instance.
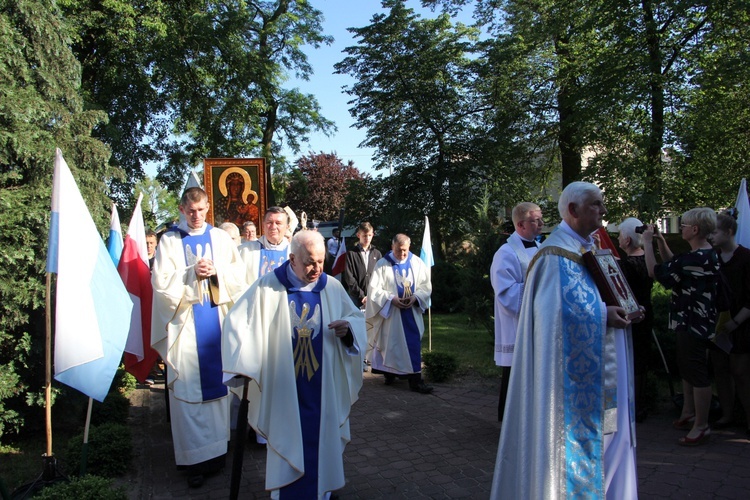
(406, 445)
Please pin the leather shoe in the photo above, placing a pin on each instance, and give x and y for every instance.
(422, 388)
(699, 439)
(389, 379)
(721, 425)
(196, 480)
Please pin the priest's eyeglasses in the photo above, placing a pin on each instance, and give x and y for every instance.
(538, 221)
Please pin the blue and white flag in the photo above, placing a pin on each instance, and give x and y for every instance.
(114, 243)
(426, 252)
(743, 219)
(92, 314)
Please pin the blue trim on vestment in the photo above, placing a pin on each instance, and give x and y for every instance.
(583, 381)
(309, 390)
(207, 326)
(271, 259)
(408, 323)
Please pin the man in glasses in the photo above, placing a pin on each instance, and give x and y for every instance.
(508, 276)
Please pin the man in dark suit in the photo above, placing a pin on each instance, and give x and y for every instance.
(360, 261)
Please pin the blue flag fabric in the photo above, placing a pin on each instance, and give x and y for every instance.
(426, 252)
(92, 314)
(114, 243)
(743, 216)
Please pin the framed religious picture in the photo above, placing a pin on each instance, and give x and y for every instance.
(610, 281)
(236, 189)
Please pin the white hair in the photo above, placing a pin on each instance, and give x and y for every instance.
(302, 239)
(577, 193)
(231, 228)
(627, 229)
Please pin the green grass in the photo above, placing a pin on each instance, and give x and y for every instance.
(472, 345)
(21, 461)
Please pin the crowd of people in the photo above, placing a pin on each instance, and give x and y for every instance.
(580, 364)
(238, 316)
(241, 317)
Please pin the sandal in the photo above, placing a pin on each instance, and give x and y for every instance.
(700, 439)
(684, 424)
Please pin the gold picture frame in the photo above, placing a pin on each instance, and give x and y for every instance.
(610, 281)
(236, 189)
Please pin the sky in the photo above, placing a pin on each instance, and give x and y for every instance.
(327, 86)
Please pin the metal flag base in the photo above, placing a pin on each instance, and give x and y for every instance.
(50, 475)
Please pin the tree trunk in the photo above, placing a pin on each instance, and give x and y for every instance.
(651, 200)
(570, 151)
(268, 130)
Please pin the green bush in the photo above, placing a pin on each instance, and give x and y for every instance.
(440, 366)
(110, 449)
(446, 297)
(124, 382)
(85, 488)
(115, 408)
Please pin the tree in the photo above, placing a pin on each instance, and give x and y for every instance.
(651, 49)
(187, 80)
(614, 80)
(158, 205)
(712, 138)
(320, 185)
(40, 109)
(416, 97)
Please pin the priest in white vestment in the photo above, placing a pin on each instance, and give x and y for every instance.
(400, 290)
(298, 338)
(196, 276)
(264, 254)
(508, 277)
(568, 431)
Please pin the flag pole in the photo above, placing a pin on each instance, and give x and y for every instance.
(48, 365)
(85, 448)
(429, 325)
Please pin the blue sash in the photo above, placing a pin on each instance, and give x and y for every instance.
(308, 328)
(206, 318)
(271, 259)
(583, 347)
(405, 286)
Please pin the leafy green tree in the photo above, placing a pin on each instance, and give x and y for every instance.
(612, 84)
(415, 96)
(158, 205)
(364, 201)
(40, 109)
(187, 80)
(711, 128)
(650, 50)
